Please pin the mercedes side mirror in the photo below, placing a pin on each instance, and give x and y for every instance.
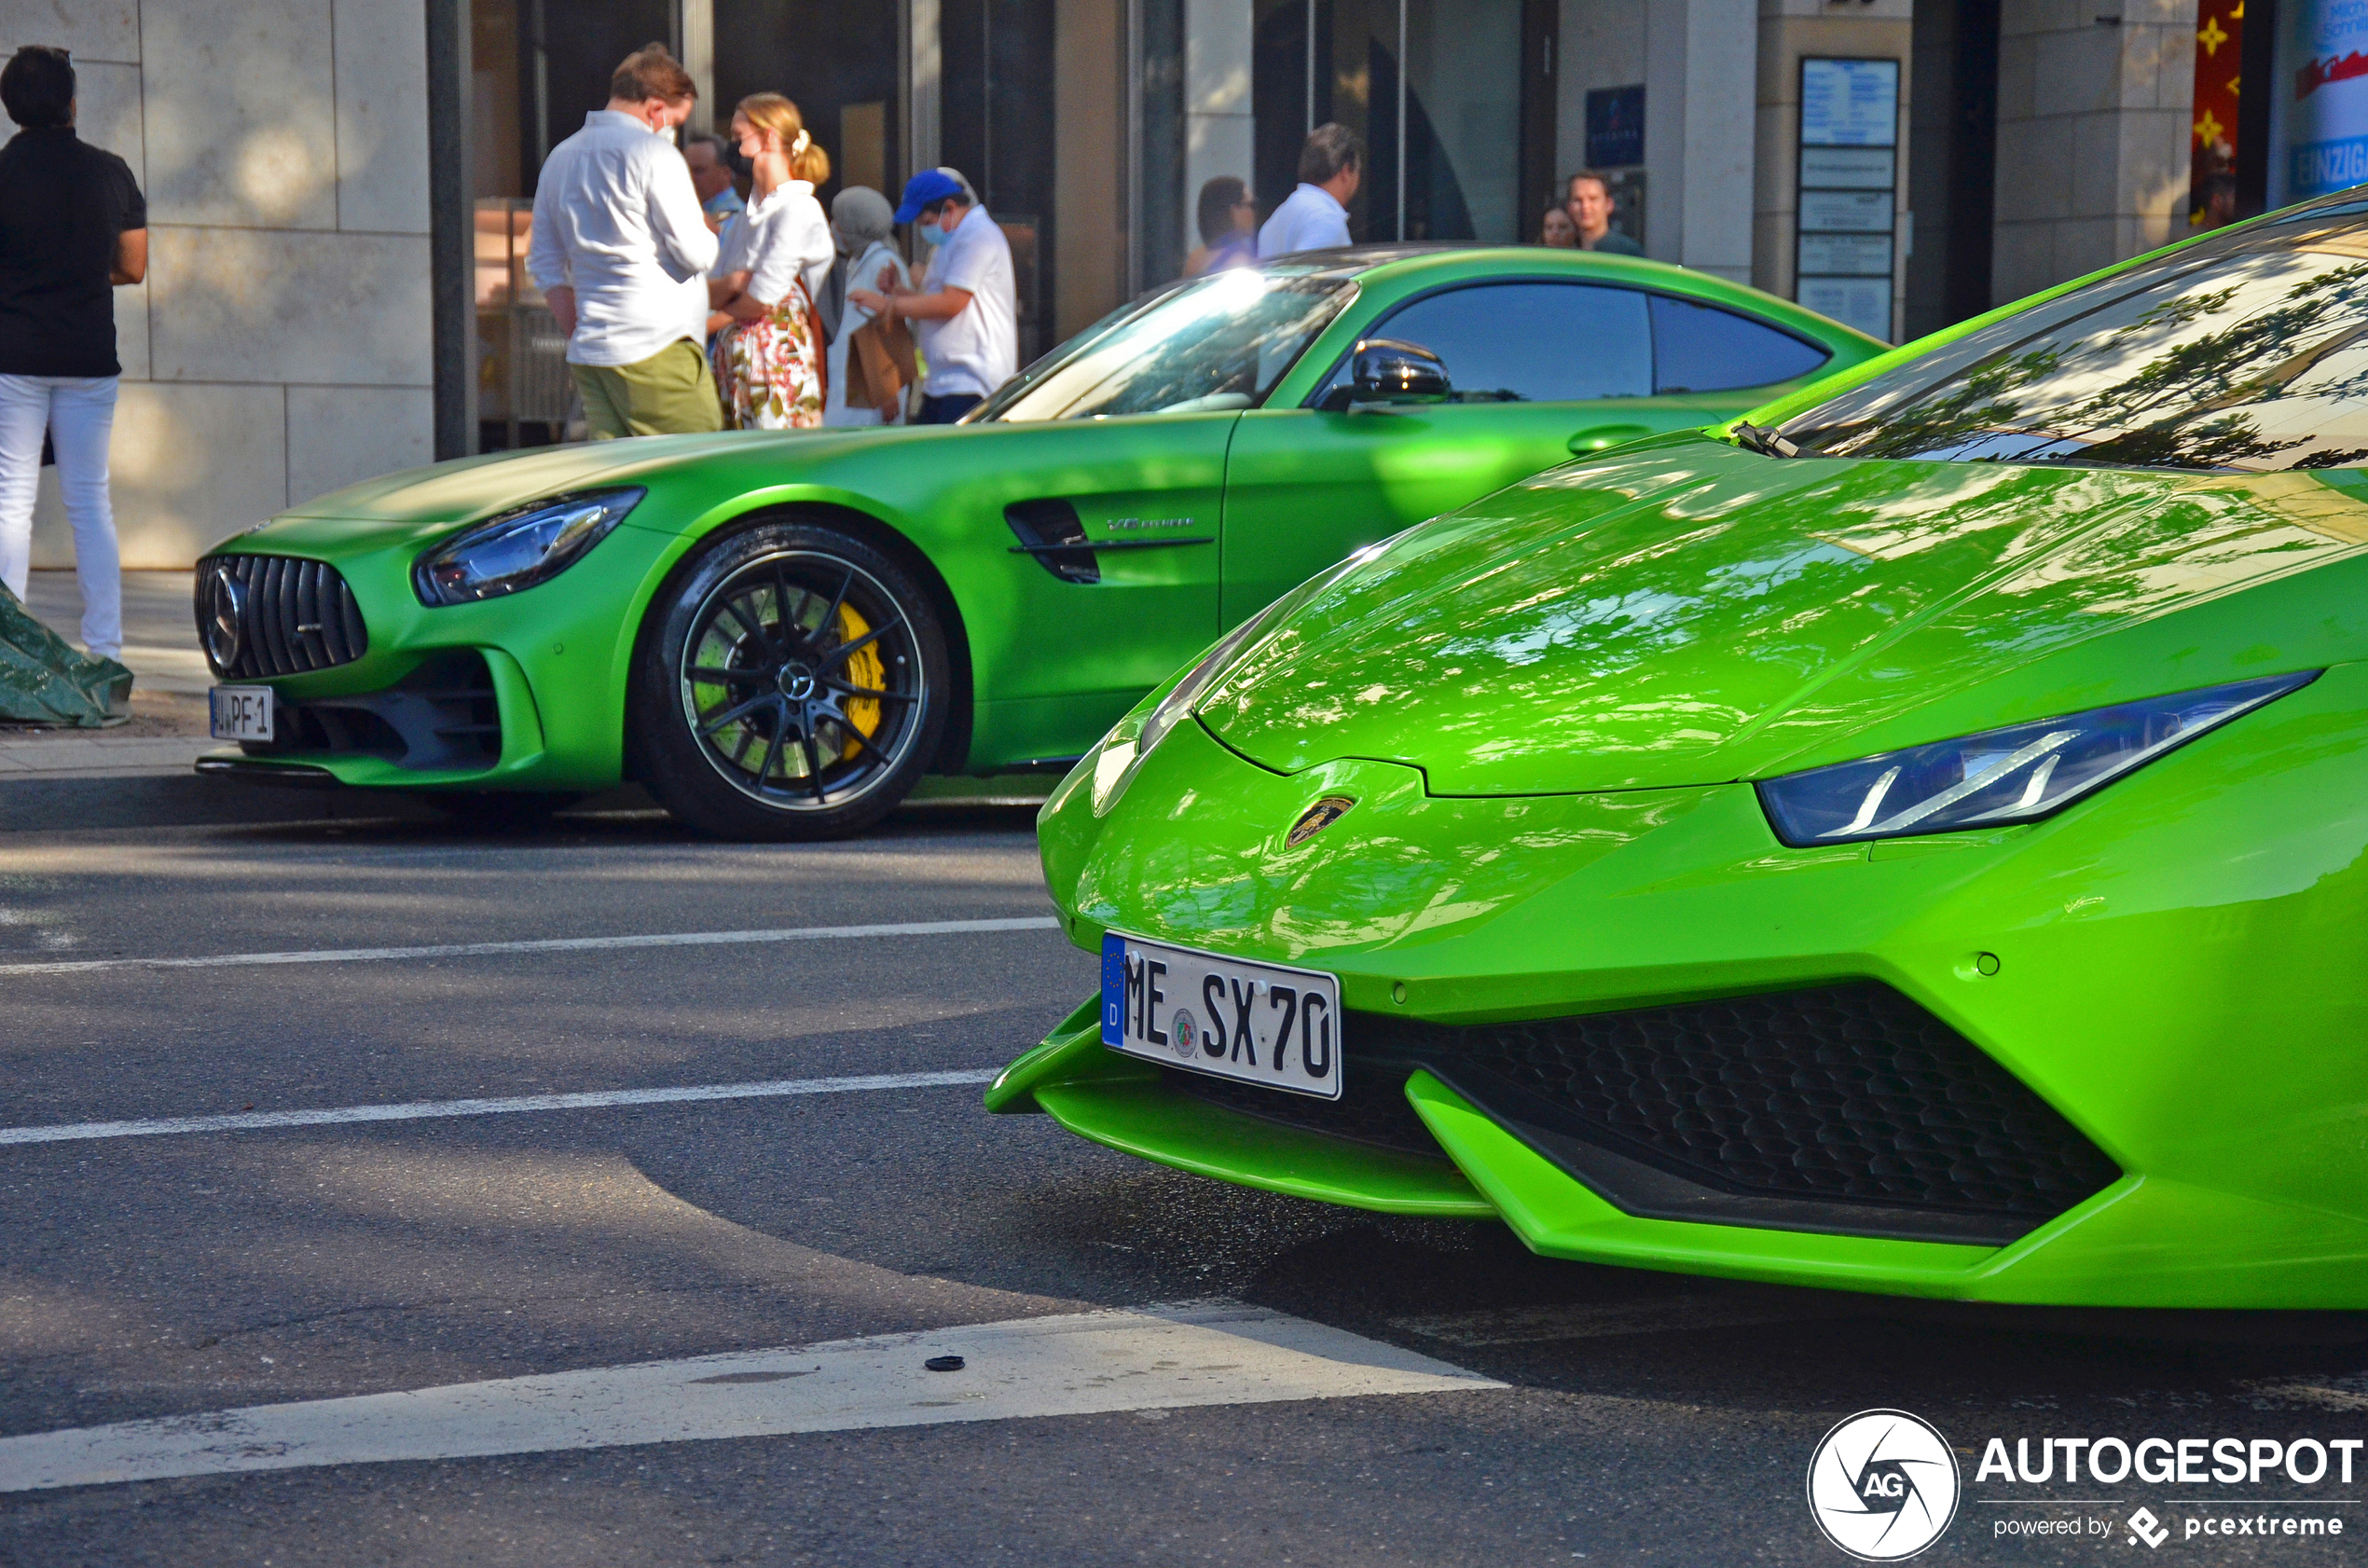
(1386, 370)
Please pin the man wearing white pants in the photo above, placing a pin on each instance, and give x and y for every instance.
(72, 225)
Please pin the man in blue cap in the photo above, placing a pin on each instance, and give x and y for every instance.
(965, 311)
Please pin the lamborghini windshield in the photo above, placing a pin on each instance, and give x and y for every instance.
(1221, 342)
(2246, 351)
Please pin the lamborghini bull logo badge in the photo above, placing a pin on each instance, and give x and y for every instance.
(1315, 819)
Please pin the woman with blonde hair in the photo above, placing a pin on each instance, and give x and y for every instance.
(768, 342)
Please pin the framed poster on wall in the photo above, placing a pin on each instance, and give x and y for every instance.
(2319, 103)
(1846, 217)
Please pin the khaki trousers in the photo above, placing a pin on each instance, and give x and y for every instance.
(672, 392)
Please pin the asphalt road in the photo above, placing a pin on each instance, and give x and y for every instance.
(1556, 1412)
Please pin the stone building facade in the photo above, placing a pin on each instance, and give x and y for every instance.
(279, 348)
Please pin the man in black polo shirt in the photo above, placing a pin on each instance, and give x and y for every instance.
(72, 225)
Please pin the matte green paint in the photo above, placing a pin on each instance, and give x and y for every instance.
(1548, 709)
(1281, 492)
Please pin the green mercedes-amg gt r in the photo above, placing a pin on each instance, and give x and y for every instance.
(779, 634)
(1913, 841)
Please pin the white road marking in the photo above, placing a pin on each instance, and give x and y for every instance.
(1595, 1320)
(553, 944)
(424, 1109)
(1155, 1358)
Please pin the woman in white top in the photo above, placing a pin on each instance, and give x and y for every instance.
(768, 346)
(861, 220)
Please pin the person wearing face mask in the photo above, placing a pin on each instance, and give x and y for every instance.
(709, 159)
(967, 311)
(860, 223)
(620, 250)
(768, 344)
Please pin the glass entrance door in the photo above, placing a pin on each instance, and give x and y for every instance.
(1433, 87)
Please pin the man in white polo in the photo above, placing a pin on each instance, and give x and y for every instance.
(966, 311)
(1315, 217)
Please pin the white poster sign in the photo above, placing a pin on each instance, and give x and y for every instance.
(1849, 102)
(1863, 303)
(2322, 97)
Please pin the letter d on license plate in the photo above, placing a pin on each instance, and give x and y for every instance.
(1263, 1024)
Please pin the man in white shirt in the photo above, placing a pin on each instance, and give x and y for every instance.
(1315, 217)
(620, 252)
(968, 312)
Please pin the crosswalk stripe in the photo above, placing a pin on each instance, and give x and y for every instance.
(1151, 1358)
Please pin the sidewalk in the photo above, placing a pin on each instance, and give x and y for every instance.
(168, 728)
(159, 629)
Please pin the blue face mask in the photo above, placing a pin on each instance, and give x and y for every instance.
(932, 234)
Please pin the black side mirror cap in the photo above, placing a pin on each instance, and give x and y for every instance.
(1388, 370)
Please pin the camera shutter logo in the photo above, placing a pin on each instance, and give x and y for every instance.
(1883, 1485)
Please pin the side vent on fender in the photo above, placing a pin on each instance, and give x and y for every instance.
(1049, 531)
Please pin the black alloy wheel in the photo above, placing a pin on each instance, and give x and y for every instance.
(794, 687)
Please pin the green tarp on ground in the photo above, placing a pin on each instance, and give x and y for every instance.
(43, 681)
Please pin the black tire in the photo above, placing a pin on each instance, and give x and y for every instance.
(744, 731)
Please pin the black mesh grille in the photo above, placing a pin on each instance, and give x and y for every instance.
(445, 716)
(1842, 1095)
(290, 615)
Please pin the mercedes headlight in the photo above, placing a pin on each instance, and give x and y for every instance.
(519, 549)
(2000, 777)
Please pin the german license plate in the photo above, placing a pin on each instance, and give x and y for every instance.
(1263, 1024)
(241, 712)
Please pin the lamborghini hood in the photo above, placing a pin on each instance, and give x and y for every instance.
(1697, 613)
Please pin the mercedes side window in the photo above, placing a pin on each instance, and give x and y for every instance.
(1703, 349)
(1525, 343)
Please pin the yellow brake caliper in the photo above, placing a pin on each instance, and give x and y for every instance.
(863, 668)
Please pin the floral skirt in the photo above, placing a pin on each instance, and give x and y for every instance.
(770, 372)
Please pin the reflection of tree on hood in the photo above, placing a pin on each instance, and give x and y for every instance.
(2180, 408)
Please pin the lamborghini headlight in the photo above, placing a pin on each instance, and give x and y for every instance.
(519, 549)
(1999, 777)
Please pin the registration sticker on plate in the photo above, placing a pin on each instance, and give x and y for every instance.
(241, 712)
(1259, 1024)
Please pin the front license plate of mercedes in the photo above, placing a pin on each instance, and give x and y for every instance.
(241, 712)
(1263, 1024)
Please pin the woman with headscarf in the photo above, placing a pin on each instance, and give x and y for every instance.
(769, 344)
(861, 221)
